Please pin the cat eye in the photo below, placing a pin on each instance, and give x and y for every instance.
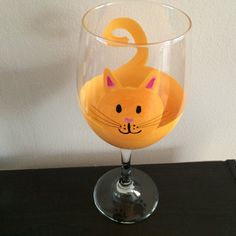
(118, 108)
(138, 109)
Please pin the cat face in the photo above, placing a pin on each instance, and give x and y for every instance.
(126, 112)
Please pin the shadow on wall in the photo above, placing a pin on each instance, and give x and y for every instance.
(28, 161)
(25, 89)
(55, 24)
(23, 86)
(39, 66)
(158, 155)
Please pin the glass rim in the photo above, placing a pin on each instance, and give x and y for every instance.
(105, 40)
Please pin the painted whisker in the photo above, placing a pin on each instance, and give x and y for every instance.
(102, 114)
(164, 118)
(104, 123)
(95, 115)
(154, 119)
(157, 124)
(168, 118)
(151, 120)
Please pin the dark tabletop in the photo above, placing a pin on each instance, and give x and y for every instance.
(195, 199)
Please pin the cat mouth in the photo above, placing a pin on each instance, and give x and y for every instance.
(129, 130)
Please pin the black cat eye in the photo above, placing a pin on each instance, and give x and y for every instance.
(118, 108)
(138, 109)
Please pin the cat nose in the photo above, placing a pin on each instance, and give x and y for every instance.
(128, 120)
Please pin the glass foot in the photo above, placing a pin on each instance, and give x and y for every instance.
(129, 203)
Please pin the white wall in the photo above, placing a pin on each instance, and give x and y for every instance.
(40, 123)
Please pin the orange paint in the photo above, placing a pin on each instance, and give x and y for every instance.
(135, 105)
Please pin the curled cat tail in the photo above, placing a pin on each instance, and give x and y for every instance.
(137, 33)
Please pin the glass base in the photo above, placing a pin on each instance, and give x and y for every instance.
(126, 204)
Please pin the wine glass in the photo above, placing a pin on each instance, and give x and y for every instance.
(131, 84)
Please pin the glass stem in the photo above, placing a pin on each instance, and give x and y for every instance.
(125, 178)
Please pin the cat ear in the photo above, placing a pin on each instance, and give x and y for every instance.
(151, 82)
(109, 80)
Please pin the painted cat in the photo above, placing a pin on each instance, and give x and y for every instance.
(130, 107)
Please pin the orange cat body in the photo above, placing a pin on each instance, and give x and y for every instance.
(133, 106)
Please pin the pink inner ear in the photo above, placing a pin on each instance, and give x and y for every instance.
(110, 83)
(151, 83)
